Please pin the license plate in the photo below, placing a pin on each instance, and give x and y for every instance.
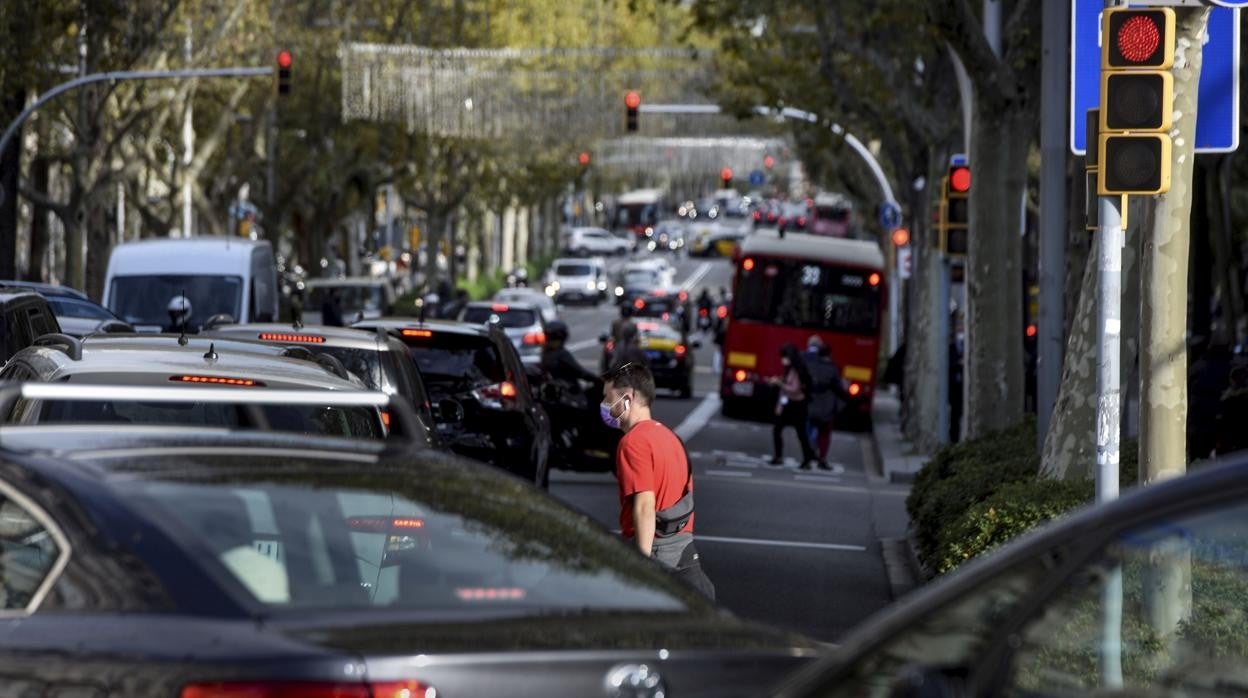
(654, 355)
(744, 389)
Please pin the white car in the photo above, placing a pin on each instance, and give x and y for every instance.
(584, 242)
(532, 296)
(577, 280)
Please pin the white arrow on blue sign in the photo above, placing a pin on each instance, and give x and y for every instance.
(890, 216)
(1217, 120)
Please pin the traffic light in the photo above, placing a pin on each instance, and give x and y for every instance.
(1137, 101)
(583, 158)
(955, 210)
(769, 162)
(632, 101)
(284, 62)
(725, 176)
(901, 237)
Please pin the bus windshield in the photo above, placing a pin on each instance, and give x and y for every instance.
(808, 294)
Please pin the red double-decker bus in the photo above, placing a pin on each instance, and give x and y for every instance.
(788, 288)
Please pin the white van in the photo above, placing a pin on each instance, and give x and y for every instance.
(577, 280)
(218, 275)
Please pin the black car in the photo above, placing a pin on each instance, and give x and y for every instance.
(77, 314)
(377, 358)
(159, 564)
(1143, 596)
(483, 404)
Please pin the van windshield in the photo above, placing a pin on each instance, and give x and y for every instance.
(144, 300)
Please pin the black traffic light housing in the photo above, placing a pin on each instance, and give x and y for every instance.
(1137, 101)
(284, 63)
(1134, 163)
(955, 210)
(632, 102)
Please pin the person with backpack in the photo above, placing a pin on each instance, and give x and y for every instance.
(828, 396)
(655, 476)
(792, 406)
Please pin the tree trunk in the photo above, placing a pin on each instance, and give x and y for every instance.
(1163, 328)
(38, 222)
(920, 380)
(1070, 445)
(1078, 243)
(994, 355)
(98, 237)
(10, 173)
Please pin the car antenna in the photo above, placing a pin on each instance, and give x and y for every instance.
(183, 340)
(211, 354)
(420, 309)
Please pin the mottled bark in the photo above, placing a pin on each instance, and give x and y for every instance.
(1070, 446)
(1163, 329)
(1078, 242)
(922, 389)
(994, 357)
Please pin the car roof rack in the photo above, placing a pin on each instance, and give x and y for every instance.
(70, 345)
(404, 423)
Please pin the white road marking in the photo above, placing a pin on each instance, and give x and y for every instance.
(698, 418)
(696, 276)
(727, 473)
(697, 537)
(582, 345)
(817, 478)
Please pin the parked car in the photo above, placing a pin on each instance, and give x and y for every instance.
(76, 314)
(521, 322)
(24, 317)
(483, 404)
(1070, 609)
(217, 275)
(584, 242)
(157, 564)
(577, 280)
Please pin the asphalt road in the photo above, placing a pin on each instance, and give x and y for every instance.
(795, 549)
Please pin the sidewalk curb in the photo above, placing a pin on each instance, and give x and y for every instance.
(898, 566)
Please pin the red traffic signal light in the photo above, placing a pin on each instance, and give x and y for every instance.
(901, 237)
(583, 158)
(769, 162)
(960, 179)
(284, 61)
(632, 100)
(1139, 38)
(726, 174)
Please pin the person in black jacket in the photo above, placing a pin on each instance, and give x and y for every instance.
(828, 398)
(628, 349)
(558, 362)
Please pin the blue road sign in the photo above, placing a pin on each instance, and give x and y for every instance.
(757, 178)
(890, 216)
(1230, 3)
(1217, 121)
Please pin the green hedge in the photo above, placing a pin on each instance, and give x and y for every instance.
(973, 496)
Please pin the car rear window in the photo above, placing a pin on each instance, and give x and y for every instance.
(300, 419)
(510, 318)
(573, 270)
(364, 363)
(63, 306)
(397, 540)
(454, 363)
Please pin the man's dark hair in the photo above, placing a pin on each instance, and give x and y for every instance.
(632, 375)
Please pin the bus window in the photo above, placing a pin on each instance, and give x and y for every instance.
(810, 295)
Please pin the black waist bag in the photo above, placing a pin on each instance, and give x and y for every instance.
(673, 519)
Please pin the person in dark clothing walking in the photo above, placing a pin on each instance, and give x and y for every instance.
(1233, 413)
(828, 397)
(1208, 379)
(628, 348)
(558, 362)
(792, 406)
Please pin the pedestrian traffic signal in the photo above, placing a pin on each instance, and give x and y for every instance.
(1137, 101)
(632, 101)
(284, 62)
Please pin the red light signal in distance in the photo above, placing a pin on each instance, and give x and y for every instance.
(583, 158)
(960, 179)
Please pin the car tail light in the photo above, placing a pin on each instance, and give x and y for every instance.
(740, 376)
(287, 337)
(534, 338)
(874, 279)
(639, 304)
(647, 326)
(771, 217)
(218, 380)
(308, 689)
(855, 389)
(420, 334)
(758, 215)
(385, 418)
(783, 221)
(801, 221)
(721, 312)
(748, 264)
(681, 350)
(703, 312)
(683, 296)
(497, 396)
(667, 316)
(490, 593)
(383, 523)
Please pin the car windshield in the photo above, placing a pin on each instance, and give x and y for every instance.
(399, 539)
(573, 270)
(796, 293)
(833, 213)
(512, 318)
(794, 210)
(641, 277)
(144, 300)
(453, 363)
(300, 419)
(64, 306)
(655, 307)
(354, 298)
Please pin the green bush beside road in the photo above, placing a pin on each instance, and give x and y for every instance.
(973, 496)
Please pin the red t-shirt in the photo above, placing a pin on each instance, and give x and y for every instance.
(651, 459)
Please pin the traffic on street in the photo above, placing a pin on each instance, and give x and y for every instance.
(598, 349)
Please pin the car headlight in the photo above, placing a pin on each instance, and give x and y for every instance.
(550, 290)
(602, 285)
(650, 246)
(589, 285)
(554, 285)
(619, 290)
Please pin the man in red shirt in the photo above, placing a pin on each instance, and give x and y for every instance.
(654, 474)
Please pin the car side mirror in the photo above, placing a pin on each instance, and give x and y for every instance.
(448, 411)
(697, 344)
(603, 338)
